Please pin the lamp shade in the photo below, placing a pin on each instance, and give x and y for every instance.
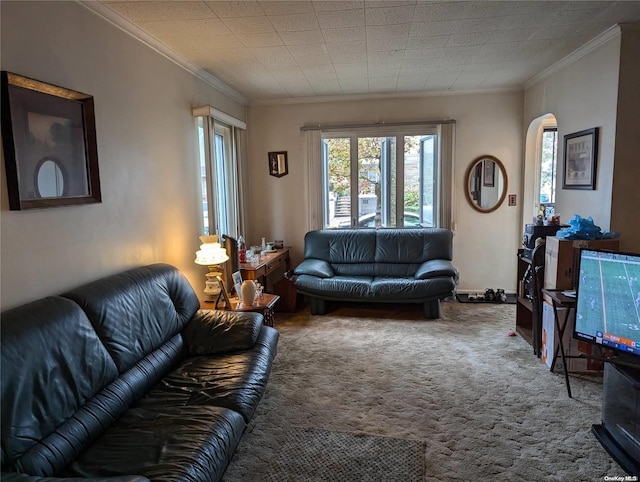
(211, 254)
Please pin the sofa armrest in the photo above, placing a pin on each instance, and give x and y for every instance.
(17, 477)
(315, 267)
(435, 268)
(216, 331)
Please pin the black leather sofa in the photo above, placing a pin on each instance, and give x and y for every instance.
(377, 265)
(126, 379)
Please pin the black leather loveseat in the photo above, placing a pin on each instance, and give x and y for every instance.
(377, 265)
(126, 377)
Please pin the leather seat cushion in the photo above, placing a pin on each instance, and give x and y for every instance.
(236, 381)
(339, 287)
(173, 443)
(410, 288)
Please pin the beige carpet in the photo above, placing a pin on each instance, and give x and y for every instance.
(483, 405)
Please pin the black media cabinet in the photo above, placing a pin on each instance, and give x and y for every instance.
(619, 432)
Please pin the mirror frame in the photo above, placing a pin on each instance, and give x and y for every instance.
(467, 187)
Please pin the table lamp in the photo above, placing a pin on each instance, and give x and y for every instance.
(213, 255)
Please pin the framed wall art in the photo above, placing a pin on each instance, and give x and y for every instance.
(488, 173)
(278, 164)
(49, 142)
(580, 155)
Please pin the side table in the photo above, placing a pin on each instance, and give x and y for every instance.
(560, 300)
(262, 305)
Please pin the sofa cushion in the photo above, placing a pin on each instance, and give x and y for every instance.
(410, 289)
(236, 381)
(338, 287)
(216, 331)
(341, 246)
(173, 443)
(52, 363)
(135, 312)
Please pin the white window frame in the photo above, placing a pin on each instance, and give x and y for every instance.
(316, 184)
(224, 212)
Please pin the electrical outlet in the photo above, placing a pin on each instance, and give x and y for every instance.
(512, 199)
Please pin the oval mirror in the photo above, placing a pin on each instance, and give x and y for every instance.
(49, 179)
(486, 184)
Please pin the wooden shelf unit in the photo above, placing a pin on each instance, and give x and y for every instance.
(524, 308)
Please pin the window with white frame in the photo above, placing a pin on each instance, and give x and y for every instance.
(384, 176)
(548, 169)
(219, 171)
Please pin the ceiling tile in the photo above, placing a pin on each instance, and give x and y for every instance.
(427, 42)
(260, 39)
(341, 18)
(347, 57)
(307, 50)
(388, 31)
(173, 28)
(423, 54)
(346, 34)
(240, 25)
(384, 15)
(331, 5)
(294, 23)
(269, 52)
(430, 29)
(306, 60)
(478, 38)
(385, 44)
(438, 11)
(339, 47)
(282, 7)
(235, 9)
(302, 38)
(441, 81)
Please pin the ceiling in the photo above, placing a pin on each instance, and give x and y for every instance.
(281, 50)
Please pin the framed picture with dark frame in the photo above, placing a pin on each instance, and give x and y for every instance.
(488, 173)
(580, 156)
(49, 143)
(278, 164)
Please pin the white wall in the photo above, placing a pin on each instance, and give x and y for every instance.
(582, 95)
(147, 151)
(485, 245)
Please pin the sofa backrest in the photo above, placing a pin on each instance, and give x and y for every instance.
(378, 252)
(136, 311)
(53, 363)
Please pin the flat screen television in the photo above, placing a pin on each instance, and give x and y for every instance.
(608, 314)
(608, 300)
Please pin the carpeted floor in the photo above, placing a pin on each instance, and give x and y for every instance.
(483, 406)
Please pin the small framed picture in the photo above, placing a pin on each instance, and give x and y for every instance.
(580, 155)
(237, 278)
(278, 164)
(488, 173)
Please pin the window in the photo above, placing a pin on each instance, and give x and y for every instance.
(548, 168)
(390, 180)
(219, 171)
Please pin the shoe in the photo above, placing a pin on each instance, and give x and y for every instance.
(472, 296)
(501, 296)
(479, 296)
(489, 295)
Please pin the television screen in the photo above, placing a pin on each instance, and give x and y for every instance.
(608, 300)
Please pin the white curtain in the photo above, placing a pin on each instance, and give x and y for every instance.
(314, 178)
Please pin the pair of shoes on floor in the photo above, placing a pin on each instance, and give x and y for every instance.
(498, 295)
(476, 297)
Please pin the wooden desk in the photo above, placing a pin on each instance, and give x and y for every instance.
(268, 263)
(262, 305)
